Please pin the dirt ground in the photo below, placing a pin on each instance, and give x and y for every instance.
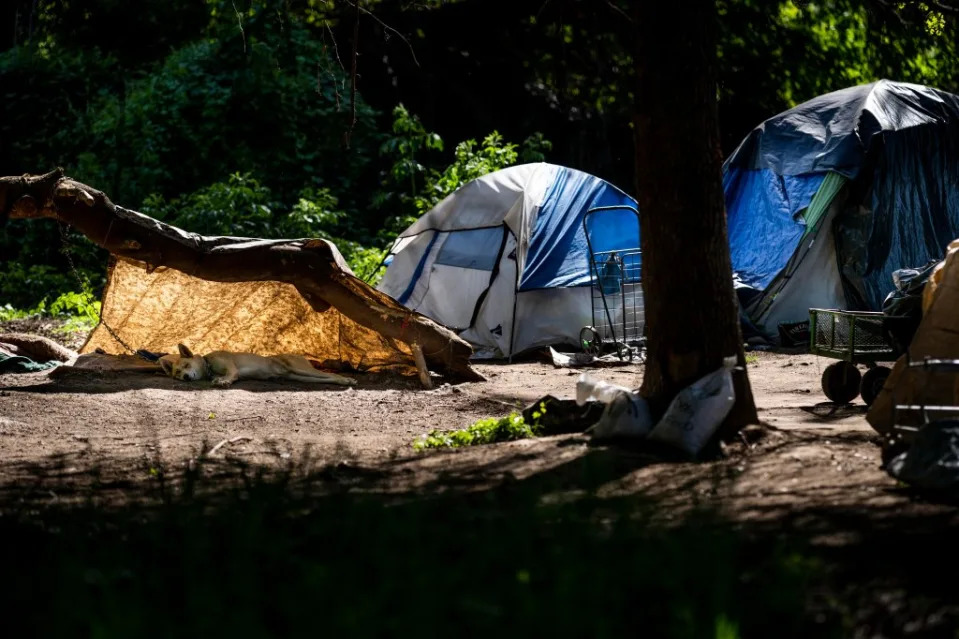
(812, 455)
(810, 476)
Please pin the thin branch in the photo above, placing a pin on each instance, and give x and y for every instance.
(388, 28)
(541, 9)
(948, 8)
(356, 38)
(612, 6)
(239, 22)
(336, 49)
(889, 10)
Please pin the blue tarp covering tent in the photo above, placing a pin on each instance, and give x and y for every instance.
(504, 260)
(826, 200)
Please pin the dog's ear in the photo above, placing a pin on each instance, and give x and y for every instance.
(166, 363)
(184, 350)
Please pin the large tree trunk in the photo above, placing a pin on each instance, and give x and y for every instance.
(312, 266)
(691, 308)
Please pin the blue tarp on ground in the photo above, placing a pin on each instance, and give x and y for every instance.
(557, 248)
(897, 142)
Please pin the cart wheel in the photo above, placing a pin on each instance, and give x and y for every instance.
(840, 382)
(591, 342)
(872, 383)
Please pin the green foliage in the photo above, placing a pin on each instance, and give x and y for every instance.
(534, 148)
(81, 311)
(240, 206)
(489, 430)
(315, 214)
(248, 91)
(470, 162)
(250, 104)
(81, 305)
(365, 262)
(409, 139)
(417, 188)
(22, 285)
(8, 312)
(235, 117)
(774, 55)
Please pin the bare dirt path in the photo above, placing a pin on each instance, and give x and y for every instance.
(814, 454)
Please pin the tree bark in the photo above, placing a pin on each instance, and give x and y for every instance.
(309, 265)
(691, 309)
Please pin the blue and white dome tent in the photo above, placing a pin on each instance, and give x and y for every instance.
(504, 259)
(827, 199)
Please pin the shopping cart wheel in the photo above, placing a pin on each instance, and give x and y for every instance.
(840, 382)
(872, 383)
(591, 342)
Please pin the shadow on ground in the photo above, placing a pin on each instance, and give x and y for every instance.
(114, 547)
(829, 411)
(120, 382)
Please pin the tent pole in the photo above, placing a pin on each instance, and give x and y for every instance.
(512, 330)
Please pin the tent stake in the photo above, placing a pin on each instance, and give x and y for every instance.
(421, 366)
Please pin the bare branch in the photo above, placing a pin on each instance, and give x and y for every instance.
(388, 28)
(616, 9)
(943, 6)
(356, 38)
(239, 22)
(336, 49)
(890, 10)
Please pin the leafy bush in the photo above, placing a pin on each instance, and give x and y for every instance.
(315, 214)
(470, 162)
(240, 206)
(416, 188)
(80, 311)
(250, 102)
(21, 286)
(81, 305)
(489, 430)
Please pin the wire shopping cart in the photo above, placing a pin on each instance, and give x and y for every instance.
(618, 315)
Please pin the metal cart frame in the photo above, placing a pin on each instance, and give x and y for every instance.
(853, 337)
(616, 285)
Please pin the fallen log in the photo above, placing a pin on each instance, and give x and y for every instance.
(314, 267)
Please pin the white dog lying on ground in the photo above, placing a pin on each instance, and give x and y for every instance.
(223, 368)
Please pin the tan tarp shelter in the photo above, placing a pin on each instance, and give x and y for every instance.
(167, 286)
(937, 337)
(158, 310)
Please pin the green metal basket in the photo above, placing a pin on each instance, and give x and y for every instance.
(853, 336)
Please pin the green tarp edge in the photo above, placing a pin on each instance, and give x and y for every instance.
(831, 185)
(813, 214)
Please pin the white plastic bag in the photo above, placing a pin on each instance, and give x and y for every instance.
(626, 414)
(588, 388)
(696, 412)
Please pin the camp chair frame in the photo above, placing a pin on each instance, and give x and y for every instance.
(928, 365)
(616, 285)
